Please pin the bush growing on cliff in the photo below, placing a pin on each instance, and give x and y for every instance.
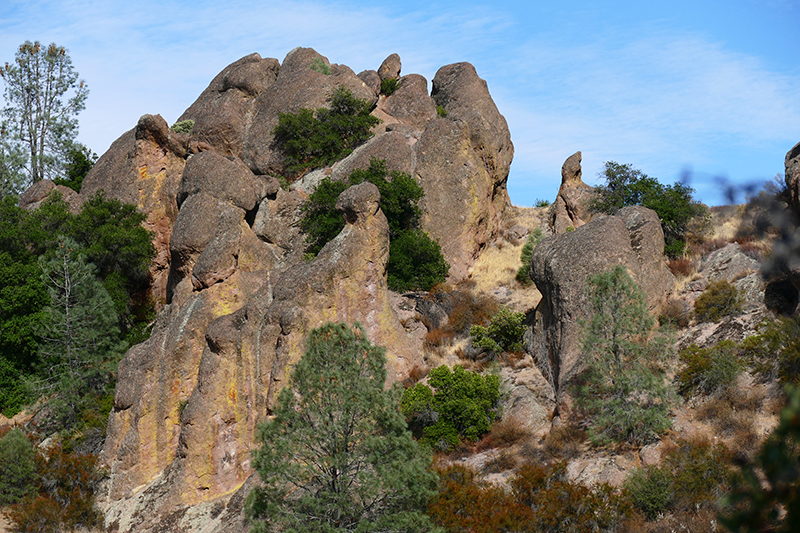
(720, 299)
(415, 260)
(503, 334)
(707, 370)
(17, 467)
(337, 456)
(463, 406)
(623, 389)
(673, 204)
(311, 139)
(524, 271)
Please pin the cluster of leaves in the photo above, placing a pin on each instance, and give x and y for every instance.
(541, 499)
(79, 162)
(503, 334)
(694, 474)
(311, 139)
(415, 260)
(674, 204)
(775, 350)
(103, 244)
(765, 498)
(388, 86)
(524, 271)
(463, 405)
(183, 127)
(720, 299)
(623, 389)
(708, 370)
(337, 456)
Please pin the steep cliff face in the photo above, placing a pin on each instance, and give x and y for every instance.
(237, 297)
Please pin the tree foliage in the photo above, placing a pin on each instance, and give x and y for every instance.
(503, 334)
(17, 467)
(79, 162)
(43, 96)
(673, 204)
(415, 260)
(337, 456)
(12, 164)
(79, 345)
(463, 405)
(311, 139)
(524, 271)
(622, 389)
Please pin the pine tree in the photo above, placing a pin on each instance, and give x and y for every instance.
(337, 455)
(79, 344)
(623, 388)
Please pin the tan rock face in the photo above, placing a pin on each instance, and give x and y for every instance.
(238, 298)
(571, 208)
(792, 175)
(561, 263)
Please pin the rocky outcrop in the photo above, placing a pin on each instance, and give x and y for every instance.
(40, 191)
(560, 265)
(390, 68)
(792, 175)
(238, 298)
(571, 207)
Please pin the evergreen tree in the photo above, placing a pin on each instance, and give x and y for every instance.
(623, 388)
(43, 94)
(79, 345)
(337, 455)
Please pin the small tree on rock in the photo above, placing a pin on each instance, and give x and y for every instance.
(337, 455)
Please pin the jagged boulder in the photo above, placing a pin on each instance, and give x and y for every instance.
(390, 68)
(410, 102)
(560, 265)
(792, 175)
(201, 395)
(571, 207)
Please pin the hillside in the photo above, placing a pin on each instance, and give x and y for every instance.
(237, 293)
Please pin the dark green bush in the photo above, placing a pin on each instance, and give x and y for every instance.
(463, 406)
(319, 65)
(311, 139)
(541, 203)
(388, 86)
(80, 161)
(707, 370)
(17, 467)
(415, 260)
(720, 299)
(440, 110)
(674, 204)
(504, 333)
(524, 271)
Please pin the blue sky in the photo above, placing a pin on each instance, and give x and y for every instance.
(704, 89)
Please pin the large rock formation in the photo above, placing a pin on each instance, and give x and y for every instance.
(792, 175)
(571, 208)
(560, 265)
(237, 297)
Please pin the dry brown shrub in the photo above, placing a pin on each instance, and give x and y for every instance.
(732, 415)
(705, 247)
(416, 374)
(504, 433)
(564, 442)
(501, 462)
(682, 266)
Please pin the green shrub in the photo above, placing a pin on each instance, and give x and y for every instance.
(622, 390)
(17, 468)
(319, 65)
(463, 406)
(541, 203)
(440, 110)
(775, 350)
(524, 271)
(650, 490)
(183, 127)
(388, 86)
(720, 299)
(707, 370)
(504, 333)
(673, 204)
(311, 139)
(415, 260)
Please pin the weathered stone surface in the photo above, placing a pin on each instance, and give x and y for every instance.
(727, 263)
(144, 168)
(561, 263)
(371, 79)
(37, 193)
(410, 103)
(278, 222)
(391, 146)
(296, 87)
(571, 207)
(222, 112)
(390, 68)
(225, 178)
(462, 163)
